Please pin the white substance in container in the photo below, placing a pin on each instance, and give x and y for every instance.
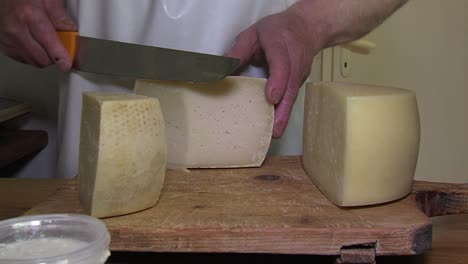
(40, 248)
(54, 239)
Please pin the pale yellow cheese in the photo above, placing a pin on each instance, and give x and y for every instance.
(360, 142)
(122, 153)
(220, 124)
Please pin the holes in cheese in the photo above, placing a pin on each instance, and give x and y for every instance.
(122, 158)
(360, 142)
(220, 124)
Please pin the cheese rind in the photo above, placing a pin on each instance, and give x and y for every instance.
(361, 142)
(220, 124)
(122, 153)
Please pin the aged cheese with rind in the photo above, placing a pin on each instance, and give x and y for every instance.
(122, 158)
(220, 124)
(361, 142)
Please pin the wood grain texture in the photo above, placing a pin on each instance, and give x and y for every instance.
(437, 199)
(272, 209)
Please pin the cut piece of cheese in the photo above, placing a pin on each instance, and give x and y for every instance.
(221, 124)
(122, 158)
(361, 142)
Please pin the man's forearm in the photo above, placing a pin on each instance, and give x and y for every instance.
(332, 22)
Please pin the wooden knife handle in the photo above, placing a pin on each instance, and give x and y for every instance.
(69, 40)
(436, 199)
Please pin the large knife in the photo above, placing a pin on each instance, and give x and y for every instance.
(144, 62)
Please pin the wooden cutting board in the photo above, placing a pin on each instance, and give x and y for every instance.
(272, 209)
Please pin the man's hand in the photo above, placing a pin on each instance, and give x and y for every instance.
(28, 32)
(288, 41)
(282, 41)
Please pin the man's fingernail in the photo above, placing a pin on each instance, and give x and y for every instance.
(276, 134)
(62, 64)
(278, 129)
(69, 23)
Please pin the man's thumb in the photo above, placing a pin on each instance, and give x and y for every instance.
(59, 16)
(246, 46)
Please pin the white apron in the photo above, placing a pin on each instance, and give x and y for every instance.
(208, 26)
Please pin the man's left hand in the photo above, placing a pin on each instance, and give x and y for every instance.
(281, 41)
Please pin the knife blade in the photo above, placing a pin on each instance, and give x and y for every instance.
(144, 62)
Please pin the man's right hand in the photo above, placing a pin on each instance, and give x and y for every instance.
(28, 32)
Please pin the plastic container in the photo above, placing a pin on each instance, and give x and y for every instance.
(54, 239)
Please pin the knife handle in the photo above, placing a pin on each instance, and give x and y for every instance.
(69, 39)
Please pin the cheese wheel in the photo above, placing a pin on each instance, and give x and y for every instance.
(361, 142)
(220, 124)
(122, 158)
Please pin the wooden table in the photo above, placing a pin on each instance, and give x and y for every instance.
(450, 233)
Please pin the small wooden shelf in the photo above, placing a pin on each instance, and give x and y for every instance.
(18, 144)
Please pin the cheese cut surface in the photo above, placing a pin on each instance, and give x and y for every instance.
(222, 124)
(122, 158)
(361, 142)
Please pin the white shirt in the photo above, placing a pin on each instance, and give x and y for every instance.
(207, 26)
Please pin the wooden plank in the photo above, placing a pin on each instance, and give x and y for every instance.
(272, 209)
(450, 240)
(11, 108)
(18, 195)
(354, 255)
(17, 144)
(436, 199)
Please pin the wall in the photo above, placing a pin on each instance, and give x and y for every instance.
(423, 47)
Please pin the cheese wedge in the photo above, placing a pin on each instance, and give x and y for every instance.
(122, 156)
(361, 142)
(221, 124)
